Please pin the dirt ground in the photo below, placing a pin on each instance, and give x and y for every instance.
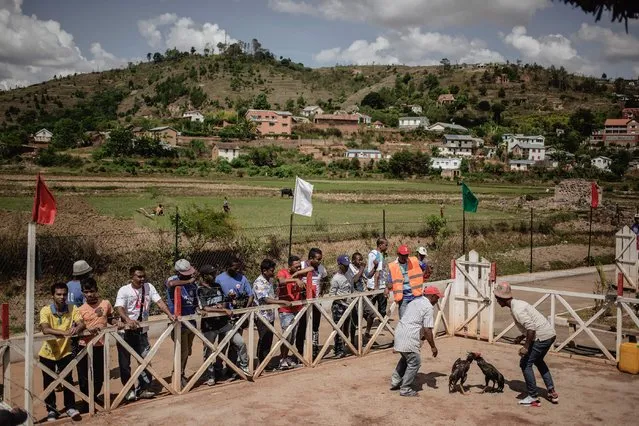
(356, 391)
(565, 253)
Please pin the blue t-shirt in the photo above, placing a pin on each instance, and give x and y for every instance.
(407, 294)
(423, 265)
(75, 296)
(189, 296)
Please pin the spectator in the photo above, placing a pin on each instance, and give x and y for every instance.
(185, 279)
(376, 274)
(265, 295)
(210, 298)
(81, 271)
(407, 279)
(159, 210)
(290, 289)
(318, 275)
(357, 277)
(61, 320)
(225, 206)
(96, 313)
(238, 292)
(635, 225)
(341, 286)
(422, 255)
(132, 305)
(414, 327)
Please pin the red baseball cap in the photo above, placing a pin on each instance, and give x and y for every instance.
(433, 290)
(403, 249)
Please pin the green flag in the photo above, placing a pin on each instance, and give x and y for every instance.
(469, 200)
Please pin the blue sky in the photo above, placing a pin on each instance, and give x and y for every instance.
(45, 38)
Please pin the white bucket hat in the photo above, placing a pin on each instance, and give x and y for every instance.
(422, 250)
(81, 267)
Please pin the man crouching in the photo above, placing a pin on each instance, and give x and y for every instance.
(415, 326)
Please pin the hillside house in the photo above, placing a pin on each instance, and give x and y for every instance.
(363, 118)
(346, 123)
(619, 131)
(450, 167)
(440, 127)
(446, 99)
(42, 136)
(270, 122)
(502, 79)
(165, 134)
(526, 147)
(301, 120)
(311, 110)
(378, 125)
(602, 163)
(409, 123)
(520, 165)
(364, 154)
(461, 145)
(194, 116)
(229, 151)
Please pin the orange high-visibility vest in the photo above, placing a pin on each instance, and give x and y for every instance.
(415, 277)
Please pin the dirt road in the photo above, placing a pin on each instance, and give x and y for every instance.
(356, 392)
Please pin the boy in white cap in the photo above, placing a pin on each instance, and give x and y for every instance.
(81, 270)
(184, 278)
(539, 336)
(422, 255)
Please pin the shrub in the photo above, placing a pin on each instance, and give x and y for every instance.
(202, 225)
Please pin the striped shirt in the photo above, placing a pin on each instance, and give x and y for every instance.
(418, 315)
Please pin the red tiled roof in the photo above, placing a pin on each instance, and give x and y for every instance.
(345, 117)
(616, 122)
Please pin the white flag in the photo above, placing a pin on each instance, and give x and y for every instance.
(302, 203)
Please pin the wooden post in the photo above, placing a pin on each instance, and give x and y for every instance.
(383, 223)
(107, 372)
(308, 345)
(619, 327)
(290, 237)
(530, 269)
(553, 310)
(251, 341)
(91, 377)
(463, 231)
(177, 356)
(619, 284)
(5, 320)
(29, 320)
(360, 324)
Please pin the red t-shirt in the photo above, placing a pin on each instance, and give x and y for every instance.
(288, 291)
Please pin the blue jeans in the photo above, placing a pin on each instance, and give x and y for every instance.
(535, 356)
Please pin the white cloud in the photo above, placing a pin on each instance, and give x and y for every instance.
(399, 14)
(148, 28)
(553, 49)
(616, 47)
(411, 47)
(33, 50)
(170, 31)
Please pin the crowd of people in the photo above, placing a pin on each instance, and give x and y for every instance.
(77, 309)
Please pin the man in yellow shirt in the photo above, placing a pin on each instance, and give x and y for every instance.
(61, 320)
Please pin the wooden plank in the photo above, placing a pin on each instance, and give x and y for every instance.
(619, 331)
(360, 324)
(336, 328)
(107, 371)
(380, 328)
(5, 352)
(631, 314)
(176, 381)
(91, 380)
(251, 341)
(559, 292)
(581, 328)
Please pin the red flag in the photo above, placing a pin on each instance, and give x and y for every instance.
(44, 208)
(595, 198)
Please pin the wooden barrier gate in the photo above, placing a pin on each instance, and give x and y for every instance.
(471, 310)
(627, 256)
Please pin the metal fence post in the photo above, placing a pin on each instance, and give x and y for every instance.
(177, 235)
(4, 309)
(383, 223)
(531, 240)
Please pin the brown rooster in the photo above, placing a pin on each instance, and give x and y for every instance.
(491, 374)
(459, 373)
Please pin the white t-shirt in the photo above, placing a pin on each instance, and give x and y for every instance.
(317, 275)
(528, 318)
(375, 254)
(130, 298)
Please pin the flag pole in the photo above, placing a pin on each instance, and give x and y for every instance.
(290, 237)
(29, 320)
(589, 236)
(463, 231)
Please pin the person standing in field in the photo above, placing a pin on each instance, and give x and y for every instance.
(318, 277)
(290, 290)
(414, 327)
(184, 278)
(341, 286)
(97, 314)
(264, 294)
(132, 305)
(376, 274)
(226, 206)
(61, 320)
(538, 335)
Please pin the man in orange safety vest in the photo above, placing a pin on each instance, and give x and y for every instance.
(407, 278)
